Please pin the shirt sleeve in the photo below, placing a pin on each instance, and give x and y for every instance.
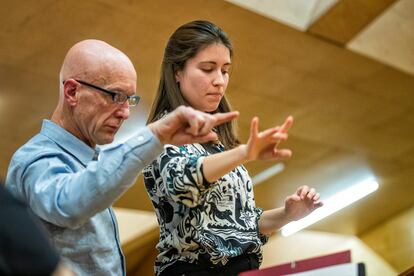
(67, 197)
(182, 176)
(263, 238)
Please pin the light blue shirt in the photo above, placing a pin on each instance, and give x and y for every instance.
(72, 194)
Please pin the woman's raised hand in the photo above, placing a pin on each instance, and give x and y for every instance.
(264, 145)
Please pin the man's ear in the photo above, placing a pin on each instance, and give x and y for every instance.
(70, 92)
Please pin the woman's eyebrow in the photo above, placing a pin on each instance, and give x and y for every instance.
(213, 62)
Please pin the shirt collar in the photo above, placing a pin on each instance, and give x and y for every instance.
(68, 142)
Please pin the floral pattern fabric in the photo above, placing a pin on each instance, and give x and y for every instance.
(201, 222)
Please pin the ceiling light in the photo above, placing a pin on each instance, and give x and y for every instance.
(332, 205)
(268, 173)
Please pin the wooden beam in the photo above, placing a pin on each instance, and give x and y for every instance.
(346, 19)
(408, 272)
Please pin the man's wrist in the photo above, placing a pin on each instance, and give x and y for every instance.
(155, 130)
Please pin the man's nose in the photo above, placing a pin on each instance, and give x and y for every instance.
(123, 111)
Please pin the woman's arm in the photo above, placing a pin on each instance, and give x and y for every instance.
(185, 177)
(261, 145)
(303, 202)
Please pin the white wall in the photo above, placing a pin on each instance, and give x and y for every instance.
(309, 244)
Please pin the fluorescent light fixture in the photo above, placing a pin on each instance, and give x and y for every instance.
(268, 173)
(332, 205)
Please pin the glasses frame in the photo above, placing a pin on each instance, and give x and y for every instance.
(116, 96)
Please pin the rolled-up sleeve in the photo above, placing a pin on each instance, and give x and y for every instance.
(182, 176)
(263, 238)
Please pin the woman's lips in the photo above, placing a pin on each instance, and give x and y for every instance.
(217, 95)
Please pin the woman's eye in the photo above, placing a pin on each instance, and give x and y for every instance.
(207, 69)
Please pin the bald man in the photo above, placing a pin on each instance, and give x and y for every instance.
(63, 177)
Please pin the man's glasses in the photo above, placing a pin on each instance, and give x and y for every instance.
(119, 98)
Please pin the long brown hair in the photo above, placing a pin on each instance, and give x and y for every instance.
(184, 44)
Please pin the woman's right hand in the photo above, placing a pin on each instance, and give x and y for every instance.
(261, 145)
(265, 145)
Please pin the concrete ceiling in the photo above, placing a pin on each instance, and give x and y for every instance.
(353, 111)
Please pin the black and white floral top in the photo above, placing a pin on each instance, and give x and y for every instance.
(201, 222)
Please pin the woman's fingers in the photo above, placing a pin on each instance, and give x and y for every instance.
(254, 127)
(287, 124)
(282, 153)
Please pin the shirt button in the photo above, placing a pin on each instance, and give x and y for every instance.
(140, 138)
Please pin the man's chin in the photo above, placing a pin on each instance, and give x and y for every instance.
(106, 140)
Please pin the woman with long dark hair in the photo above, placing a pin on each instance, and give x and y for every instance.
(202, 194)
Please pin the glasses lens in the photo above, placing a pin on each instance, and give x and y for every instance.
(133, 101)
(119, 98)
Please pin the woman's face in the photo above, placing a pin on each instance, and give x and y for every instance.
(204, 78)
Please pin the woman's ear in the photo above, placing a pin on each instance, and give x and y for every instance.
(178, 76)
